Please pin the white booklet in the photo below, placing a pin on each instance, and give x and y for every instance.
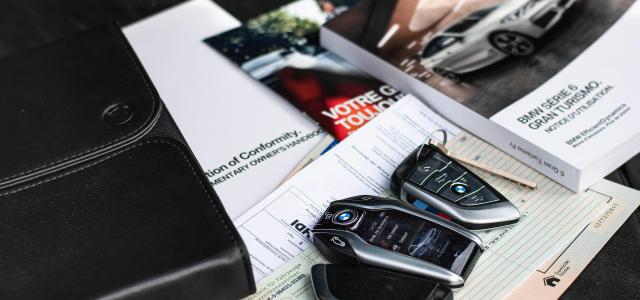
(550, 82)
(276, 230)
(246, 137)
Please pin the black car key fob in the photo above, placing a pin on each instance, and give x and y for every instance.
(331, 282)
(394, 235)
(434, 180)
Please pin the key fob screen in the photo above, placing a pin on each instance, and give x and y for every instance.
(399, 232)
(403, 233)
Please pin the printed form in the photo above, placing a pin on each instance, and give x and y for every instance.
(277, 228)
(276, 231)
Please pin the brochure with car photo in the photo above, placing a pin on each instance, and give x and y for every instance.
(219, 109)
(281, 49)
(548, 81)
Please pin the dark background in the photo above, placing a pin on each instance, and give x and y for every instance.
(25, 24)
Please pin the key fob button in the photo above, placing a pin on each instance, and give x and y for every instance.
(459, 188)
(455, 191)
(345, 217)
(481, 197)
(337, 246)
(438, 181)
(436, 173)
(339, 217)
(426, 170)
(473, 184)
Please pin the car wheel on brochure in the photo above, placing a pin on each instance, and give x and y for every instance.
(513, 43)
(447, 74)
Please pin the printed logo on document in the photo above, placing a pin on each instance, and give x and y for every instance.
(550, 281)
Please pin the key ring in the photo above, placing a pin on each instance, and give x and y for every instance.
(428, 141)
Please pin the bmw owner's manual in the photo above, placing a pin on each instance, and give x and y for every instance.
(558, 234)
(551, 82)
(218, 108)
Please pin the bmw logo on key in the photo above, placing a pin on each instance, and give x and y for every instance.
(459, 188)
(345, 217)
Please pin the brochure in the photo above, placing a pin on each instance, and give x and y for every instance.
(246, 137)
(560, 231)
(281, 49)
(547, 81)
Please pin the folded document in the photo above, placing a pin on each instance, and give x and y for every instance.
(276, 231)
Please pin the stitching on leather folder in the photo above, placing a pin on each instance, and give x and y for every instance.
(185, 159)
(143, 125)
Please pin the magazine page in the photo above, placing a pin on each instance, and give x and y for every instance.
(243, 134)
(280, 48)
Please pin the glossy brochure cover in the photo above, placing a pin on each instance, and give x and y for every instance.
(281, 49)
(545, 80)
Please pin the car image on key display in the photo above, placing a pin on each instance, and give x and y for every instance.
(491, 34)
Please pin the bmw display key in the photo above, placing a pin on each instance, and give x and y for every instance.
(393, 235)
(429, 179)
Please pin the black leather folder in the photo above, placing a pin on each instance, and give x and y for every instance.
(100, 196)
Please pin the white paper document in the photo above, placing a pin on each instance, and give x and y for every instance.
(276, 231)
(277, 228)
(552, 217)
(548, 281)
(553, 277)
(242, 133)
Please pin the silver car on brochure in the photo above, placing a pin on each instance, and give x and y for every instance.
(490, 34)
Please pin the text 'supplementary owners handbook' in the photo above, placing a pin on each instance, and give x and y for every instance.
(245, 136)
